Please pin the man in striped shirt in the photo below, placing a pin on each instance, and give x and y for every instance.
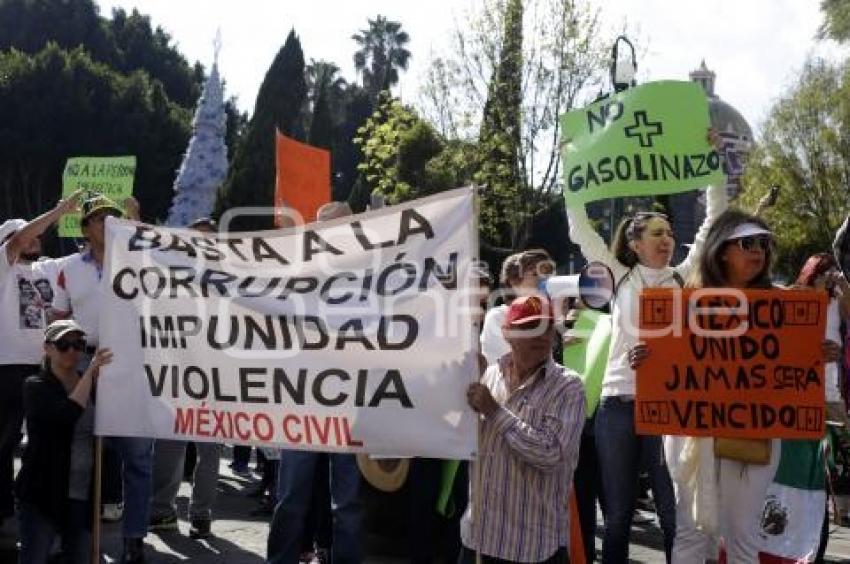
(533, 412)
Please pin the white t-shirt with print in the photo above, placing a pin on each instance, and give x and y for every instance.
(26, 291)
(78, 292)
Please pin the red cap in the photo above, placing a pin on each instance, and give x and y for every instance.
(526, 309)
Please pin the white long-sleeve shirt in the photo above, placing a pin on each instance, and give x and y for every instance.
(493, 343)
(619, 377)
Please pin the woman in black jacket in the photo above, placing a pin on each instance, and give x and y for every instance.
(54, 484)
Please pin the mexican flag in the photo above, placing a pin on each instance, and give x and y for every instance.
(794, 507)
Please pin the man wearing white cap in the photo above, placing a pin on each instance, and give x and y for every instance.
(79, 293)
(26, 290)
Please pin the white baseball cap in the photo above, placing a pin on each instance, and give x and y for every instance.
(60, 328)
(748, 230)
(8, 228)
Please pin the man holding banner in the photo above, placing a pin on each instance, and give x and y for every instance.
(80, 294)
(351, 335)
(533, 413)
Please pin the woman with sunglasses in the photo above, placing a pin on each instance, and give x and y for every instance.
(639, 258)
(54, 485)
(722, 493)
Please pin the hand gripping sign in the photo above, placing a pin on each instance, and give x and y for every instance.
(731, 363)
(647, 140)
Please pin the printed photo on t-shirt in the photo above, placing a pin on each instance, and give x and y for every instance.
(33, 299)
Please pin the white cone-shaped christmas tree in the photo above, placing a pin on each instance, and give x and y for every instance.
(204, 166)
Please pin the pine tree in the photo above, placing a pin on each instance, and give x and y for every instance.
(280, 104)
(504, 202)
(322, 126)
(204, 167)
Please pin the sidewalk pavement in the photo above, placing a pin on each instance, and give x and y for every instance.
(240, 538)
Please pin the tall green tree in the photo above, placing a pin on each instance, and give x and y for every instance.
(805, 149)
(321, 132)
(405, 158)
(382, 51)
(504, 207)
(562, 64)
(280, 106)
(357, 105)
(58, 104)
(836, 20)
(140, 46)
(326, 93)
(126, 42)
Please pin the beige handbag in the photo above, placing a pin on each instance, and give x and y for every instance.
(748, 451)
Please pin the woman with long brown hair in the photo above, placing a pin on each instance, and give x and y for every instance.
(717, 493)
(639, 258)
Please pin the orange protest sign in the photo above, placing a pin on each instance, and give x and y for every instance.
(731, 363)
(303, 178)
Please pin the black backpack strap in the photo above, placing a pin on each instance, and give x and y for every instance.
(620, 282)
(678, 278)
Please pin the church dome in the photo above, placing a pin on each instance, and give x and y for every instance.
(724, 117)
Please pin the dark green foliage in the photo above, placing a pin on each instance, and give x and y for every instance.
(280, 105)
(126, 42)
(58, 104)
(804, 149)
(836, 20)
(347, 155)
(506, 205)
(235, 122)
(405, 158)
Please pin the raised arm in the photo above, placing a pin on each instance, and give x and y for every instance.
(716, 202)
(35, 228)
(592, 245)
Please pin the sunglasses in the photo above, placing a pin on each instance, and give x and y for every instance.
(63, 345)
(752, 243)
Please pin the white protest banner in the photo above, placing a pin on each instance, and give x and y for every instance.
(352, 335)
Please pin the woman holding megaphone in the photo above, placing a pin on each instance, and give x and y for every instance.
(639, 258)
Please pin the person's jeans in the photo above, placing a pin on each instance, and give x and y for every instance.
(318, 526)
(588, 487)
(12, 378)
(37, 534)
(241, 456)
(622, 455)
(169, 459)
(137, 456)
(296, 472)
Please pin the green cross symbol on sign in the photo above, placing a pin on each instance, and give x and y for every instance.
(644, 130)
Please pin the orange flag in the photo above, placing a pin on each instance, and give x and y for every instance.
(303, 178)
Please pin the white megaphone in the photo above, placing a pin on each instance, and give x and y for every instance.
(594, 286)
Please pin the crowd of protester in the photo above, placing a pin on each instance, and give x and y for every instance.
(540, 437)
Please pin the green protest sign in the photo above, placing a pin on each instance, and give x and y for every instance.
(647, 140)
(110, 176)
(589, 355)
